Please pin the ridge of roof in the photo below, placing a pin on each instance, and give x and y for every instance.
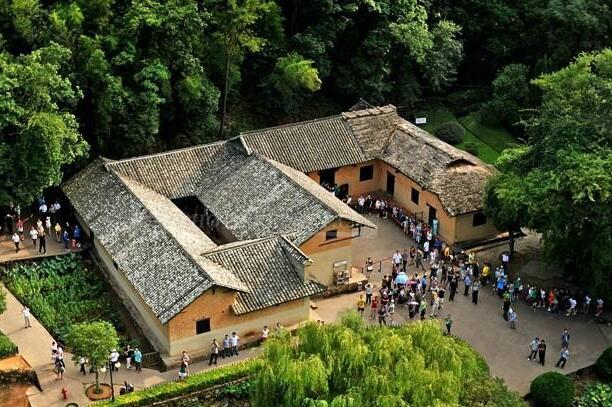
(161, 154)
(293, 124)
(373, 111)
(190, 256)
(246, 243)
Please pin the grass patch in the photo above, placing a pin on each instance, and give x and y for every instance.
(7, 347)
(489, 140)
(436, 118)
(62, 291)
(496, 137)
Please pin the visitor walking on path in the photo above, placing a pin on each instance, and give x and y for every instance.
(475, 288)
(533, 346)
(563, 358)
(565, 338)
(26, 316)
(361, 305)
(138, 359)
(542, 352)
(16, 240)
(214, 352)
(512, 318)
(234, 339)
(226, 347)
(448, 321)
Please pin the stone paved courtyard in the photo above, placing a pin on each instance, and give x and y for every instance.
(482, 325)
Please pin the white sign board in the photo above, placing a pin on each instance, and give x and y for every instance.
(420, 120)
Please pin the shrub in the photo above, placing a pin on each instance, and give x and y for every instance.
(351, 364)
(552, 389)
(596, 395)
(7, 347)
(603, 366)
(193, 383)
(450, 132)
(471, 148)
(61, 292)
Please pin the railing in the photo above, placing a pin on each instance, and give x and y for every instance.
(151, 360)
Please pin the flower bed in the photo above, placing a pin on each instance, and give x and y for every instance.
(60, 292)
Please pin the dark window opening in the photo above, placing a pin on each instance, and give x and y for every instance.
(331, 234)
(366, 173)
(390, 183)
(414, 196)
(202, 326)
(479, 219)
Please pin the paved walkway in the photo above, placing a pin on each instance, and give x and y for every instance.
(35, 347)
(482, 325)
(27, 250)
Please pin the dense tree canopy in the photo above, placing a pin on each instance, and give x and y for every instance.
(349, 364)
(140, 76)
(560, 183)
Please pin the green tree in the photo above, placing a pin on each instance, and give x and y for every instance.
(560, 184)
(510, 94)
(349, 364)
(440, 64)
(234, 22)
(38, 134)
(292, 78)
(93, 340)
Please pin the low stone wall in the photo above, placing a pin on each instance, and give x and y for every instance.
(343, 289)
(19, 376)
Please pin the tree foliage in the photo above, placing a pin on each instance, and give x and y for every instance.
(510, 94)
(38, 134)
(93, 340)
(349, 364)
(560, 184)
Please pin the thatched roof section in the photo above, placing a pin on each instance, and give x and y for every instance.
(455, 176)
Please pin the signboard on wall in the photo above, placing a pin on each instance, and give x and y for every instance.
(420, 120)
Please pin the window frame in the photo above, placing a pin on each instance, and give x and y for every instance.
(479, 219)
(413, 192)
(205, 321)
(370, 170)
(329, 233)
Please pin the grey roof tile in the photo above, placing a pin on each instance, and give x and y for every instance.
(266, 265)
(174, 174)
(308, 146)
(158, 267)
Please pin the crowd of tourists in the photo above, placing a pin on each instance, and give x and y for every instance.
(47, 221)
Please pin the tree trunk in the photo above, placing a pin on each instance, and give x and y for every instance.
(97, 381)
(511, 243)
(225, 89)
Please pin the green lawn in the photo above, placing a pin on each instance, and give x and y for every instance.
(497, 137)
(490, 140)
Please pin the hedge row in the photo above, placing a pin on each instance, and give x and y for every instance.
(7, 347)
(193, 383)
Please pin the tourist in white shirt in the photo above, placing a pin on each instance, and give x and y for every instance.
(234, 343)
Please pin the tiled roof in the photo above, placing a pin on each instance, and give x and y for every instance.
(269, 268)
(308, 146)
(174, 174)
(322, 195)
(378, 133)
(253, 199)
(456, 177)
(159, 268)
